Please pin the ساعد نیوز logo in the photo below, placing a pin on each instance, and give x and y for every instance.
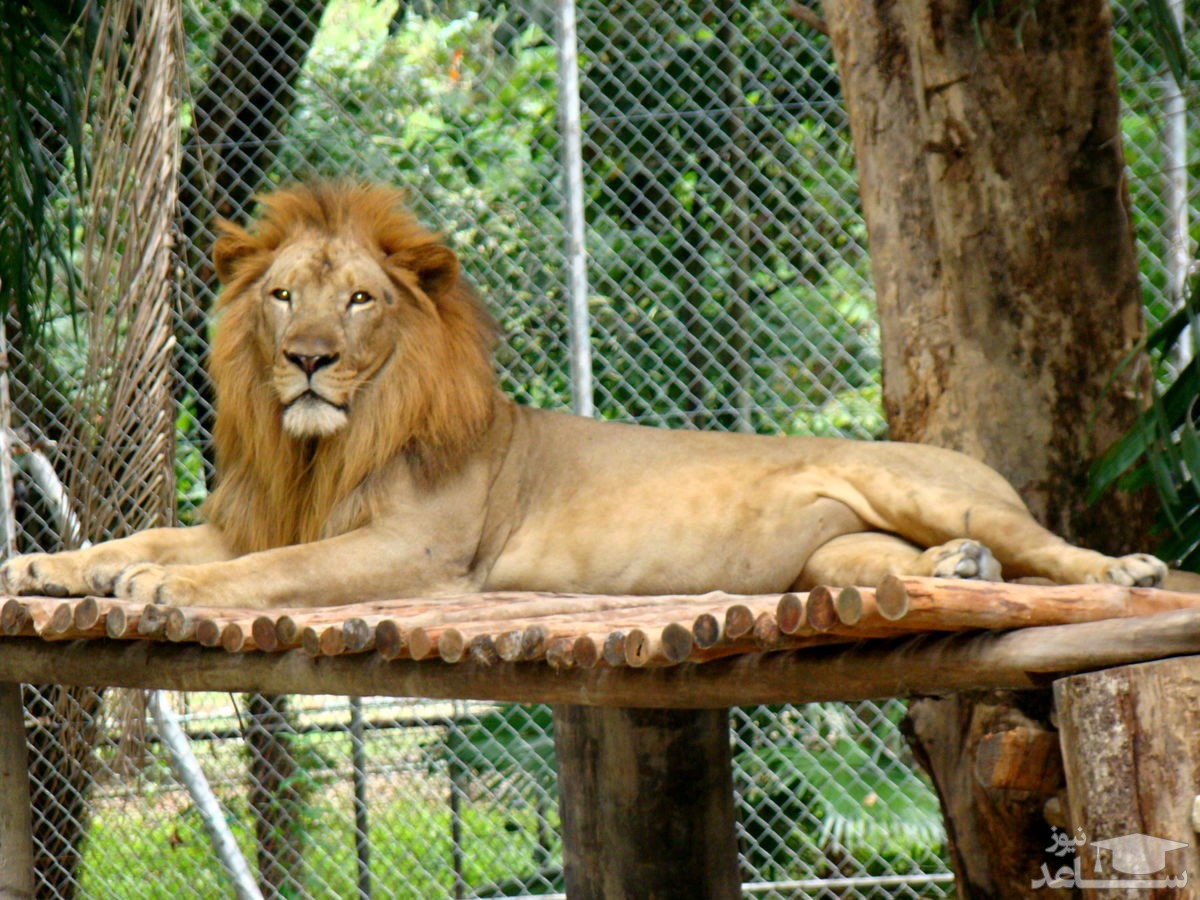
(1129, 857)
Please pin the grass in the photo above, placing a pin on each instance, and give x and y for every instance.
(151, 843)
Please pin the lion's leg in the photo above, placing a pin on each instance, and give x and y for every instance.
(1025, 548)
(94, 569)
(864, 559)
(362, 565)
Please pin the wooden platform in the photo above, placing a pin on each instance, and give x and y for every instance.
(911, 636)
(640, 687)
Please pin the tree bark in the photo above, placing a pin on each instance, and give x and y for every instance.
(646, 802)
(276, 797)
(1133, 767)
(991, 171)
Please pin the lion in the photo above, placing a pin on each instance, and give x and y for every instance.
(364, 452)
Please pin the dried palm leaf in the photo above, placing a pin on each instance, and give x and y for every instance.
(121, 471)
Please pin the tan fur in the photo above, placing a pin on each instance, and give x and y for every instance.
(430, 403)
(399, 470)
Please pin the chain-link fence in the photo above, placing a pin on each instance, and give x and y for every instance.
(727, 288)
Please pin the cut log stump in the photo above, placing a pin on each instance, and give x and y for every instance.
(646, 803)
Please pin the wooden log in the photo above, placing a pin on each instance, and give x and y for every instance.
(238, 636)
(944, 604)
(477, 609)
(152, 623)
(27, 615)
(667, 646)
(635, 830)
(91, 614)
(558, 653)
(510, 644)
(61, 620)
(121, 622)
(613, 651)
(62, 624)
(450, 641)
(1020, 759)
(1133, 768)
(16, 825)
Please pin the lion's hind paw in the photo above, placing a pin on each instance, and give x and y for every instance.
(963, 558)
(1136, 570)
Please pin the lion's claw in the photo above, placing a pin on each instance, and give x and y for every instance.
(149, 583)
(50, 575)
(964, 559)
(1136, 570)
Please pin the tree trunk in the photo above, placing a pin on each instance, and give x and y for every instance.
(646, 802)
(1133, 767)
(276, 797)
(240, 115)
(991, 172)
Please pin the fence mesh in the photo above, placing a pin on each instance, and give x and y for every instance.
(729, 289)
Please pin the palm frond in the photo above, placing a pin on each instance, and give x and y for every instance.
(44, 48)
(122, 433)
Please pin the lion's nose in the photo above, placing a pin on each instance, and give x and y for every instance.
(309, 364)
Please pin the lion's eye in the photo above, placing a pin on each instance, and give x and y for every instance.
(283, 295)
(360, 298)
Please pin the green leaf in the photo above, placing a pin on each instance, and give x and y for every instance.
(1170, 41)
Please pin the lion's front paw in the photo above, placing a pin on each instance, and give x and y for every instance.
(1135, 570)
(150, 583)
(963, 559)
(48, 574)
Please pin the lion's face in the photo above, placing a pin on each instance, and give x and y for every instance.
(329, 312)
(345, 329)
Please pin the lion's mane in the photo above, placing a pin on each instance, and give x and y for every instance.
(425, 409)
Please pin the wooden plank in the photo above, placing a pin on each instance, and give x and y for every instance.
(16, 828)
(927, 664)
(1133, 768)
(646, 802)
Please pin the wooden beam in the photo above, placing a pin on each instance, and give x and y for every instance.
(1133, 768)
(16, 828)
(646, 801)
(923, 665)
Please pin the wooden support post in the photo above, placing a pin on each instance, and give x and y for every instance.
(1133, 768)
(16, 828)
(646, 802)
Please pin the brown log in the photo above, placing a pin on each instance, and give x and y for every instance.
(632, 829)
(122, 621)
(923, 665)
(820, 613)
(450, 641)
(510, 644)
(152, 623)
(511, 607)
(944, 604)
(766, 632)
(667, 646)
(1024, 758)
(323, 640)
(17, 617)
(61, 620)
(16, 827)
(63, 623)
(706, 630)
(1133, 767)
(237, 636)
(558, 653)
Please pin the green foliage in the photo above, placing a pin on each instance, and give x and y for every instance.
(44, 53)
(512, 746)
(825, 785)
(1162, 448)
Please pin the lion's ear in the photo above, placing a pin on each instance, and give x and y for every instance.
(233, 246)
(436, 266)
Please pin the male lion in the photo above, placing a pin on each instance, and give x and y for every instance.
(364, 453)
